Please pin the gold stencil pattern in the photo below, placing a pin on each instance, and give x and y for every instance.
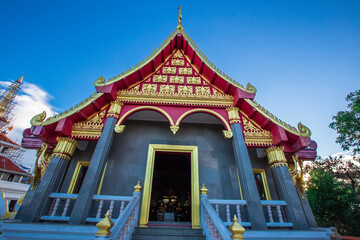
(160, 78)
(177, 62)
(185, 89)
(193, 80)
(202, 90)
(177, 79)
(167, 89)
(178, 55)
(169, 70)
(254, 135)
(149, 88)
(185, 71)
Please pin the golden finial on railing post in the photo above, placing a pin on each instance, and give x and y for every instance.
(236, 229)
(105, 225)
(203, 190)
(137, 187)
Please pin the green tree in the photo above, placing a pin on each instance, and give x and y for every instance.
(333, 203)
(347, 124)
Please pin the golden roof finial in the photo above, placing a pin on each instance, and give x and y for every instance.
(179, 26)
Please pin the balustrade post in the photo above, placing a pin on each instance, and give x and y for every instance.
(285, 187)
(247, 179)
(137, 192)
(104, 227)
(203, 195)
(97, 163)
(236, 230)
(31, 211)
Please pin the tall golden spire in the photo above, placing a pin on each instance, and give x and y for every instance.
(8, 98)
(179, 26)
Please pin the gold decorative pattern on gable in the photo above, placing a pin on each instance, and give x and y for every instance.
(167, 89)
(185, 71)
(178, 54)
(193, 80)
(169, 70)
(303, 130)
(149, 88)
(254, 135)
(185, 89)
(202, 90)
(160, 78)
(90, 128)
(177, 62)
(177, 79)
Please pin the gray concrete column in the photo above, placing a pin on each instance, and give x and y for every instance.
(306, 208)
(39, 200)
(287, 192)
(96, 166)
(247, 180)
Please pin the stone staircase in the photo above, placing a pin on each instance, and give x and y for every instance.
(167, 233)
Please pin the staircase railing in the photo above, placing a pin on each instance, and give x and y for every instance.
(61, 207)
(231, 207)
(108, 202)
(275, 213)
(213, 226)
(125, 225)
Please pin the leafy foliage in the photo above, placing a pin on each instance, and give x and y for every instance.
(345, 170)
(347, 124)
(333, 203)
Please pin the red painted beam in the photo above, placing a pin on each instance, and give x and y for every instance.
(301, 142)
(193, 58)
(140, 74)
(110, 90)
(213, 77)
(201, 67)
(81, 114)
(186, 47)
(64, 127)
(162, 56)
(265, 123)
(239, 95)
(279, 135)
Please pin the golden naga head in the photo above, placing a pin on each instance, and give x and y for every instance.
(38, 119)
(100, 81)
(305, 131)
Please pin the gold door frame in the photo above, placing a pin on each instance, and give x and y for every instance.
(195, 198)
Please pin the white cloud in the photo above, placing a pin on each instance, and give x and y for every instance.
(31, 101)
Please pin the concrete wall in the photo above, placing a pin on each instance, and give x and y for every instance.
(128, 156)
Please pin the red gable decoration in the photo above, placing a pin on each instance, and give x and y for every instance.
(176, 80)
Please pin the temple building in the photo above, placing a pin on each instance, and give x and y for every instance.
(194, 142)
(14, 178)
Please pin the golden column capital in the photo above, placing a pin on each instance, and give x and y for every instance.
(65, 147)
(233, 114)
(276, 156)
(115, 109)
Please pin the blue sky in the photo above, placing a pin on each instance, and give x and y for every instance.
(302, 56)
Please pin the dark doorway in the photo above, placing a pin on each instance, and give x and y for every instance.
(171, 188)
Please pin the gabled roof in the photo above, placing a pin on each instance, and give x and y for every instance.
(243, 97)
(8, 165)
(4, 138)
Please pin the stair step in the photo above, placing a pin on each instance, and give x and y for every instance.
(168, 230)
(166, 237)
(165, 233)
